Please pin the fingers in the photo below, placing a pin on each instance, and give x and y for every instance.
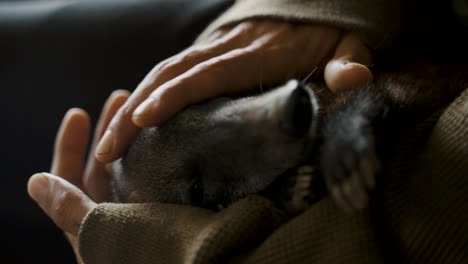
(274, 55)
(184, 61)
(121, 130)
(119, 134)
(73, 240)
(63, 202)
(194, 85)
(234, 60)
(96, 178)
(71, 145)
(348, 67)
(234, 71)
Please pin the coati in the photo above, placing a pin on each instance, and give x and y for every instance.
(292, 144)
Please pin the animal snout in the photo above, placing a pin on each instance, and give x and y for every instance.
(299, 110)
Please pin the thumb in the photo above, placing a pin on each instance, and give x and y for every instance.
(348, 67)
(63, 202)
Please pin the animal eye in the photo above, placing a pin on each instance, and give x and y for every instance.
(197, 192)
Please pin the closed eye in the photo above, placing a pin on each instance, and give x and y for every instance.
(197, 191)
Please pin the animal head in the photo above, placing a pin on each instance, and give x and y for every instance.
(221, 150)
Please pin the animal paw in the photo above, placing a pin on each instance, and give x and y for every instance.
(297, 189)
(349, 164)
(306, 190)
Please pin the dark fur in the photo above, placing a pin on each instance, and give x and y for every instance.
(215, 153)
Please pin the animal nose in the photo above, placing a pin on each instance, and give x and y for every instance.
(299, 110)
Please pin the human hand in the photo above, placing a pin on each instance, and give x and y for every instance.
(67, 198)
(234, 59)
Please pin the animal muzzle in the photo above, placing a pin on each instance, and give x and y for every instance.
(292, 108)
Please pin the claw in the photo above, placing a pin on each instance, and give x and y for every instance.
(306, 169)
(348, 194)
(338, 195)
(359, 191)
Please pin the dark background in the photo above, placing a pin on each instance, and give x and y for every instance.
(55, 55)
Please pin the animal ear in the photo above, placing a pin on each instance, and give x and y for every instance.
(298, 111)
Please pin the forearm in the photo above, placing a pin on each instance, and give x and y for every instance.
(375, 21)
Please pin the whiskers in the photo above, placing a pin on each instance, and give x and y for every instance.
(306, 79)
(290, 75)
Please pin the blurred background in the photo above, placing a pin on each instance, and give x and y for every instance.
(58, 54)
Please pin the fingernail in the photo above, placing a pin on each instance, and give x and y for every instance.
(106, 144)
(38, 187)
(142, 114)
